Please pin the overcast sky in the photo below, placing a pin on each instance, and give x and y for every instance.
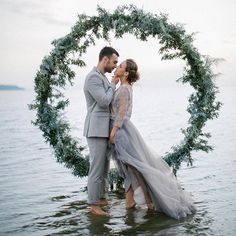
(29, 26)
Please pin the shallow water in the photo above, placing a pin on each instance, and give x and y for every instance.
(40, 197)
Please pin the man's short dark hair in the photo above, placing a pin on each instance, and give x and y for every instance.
(107, 51)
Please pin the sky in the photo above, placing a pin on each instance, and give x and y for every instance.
(29, 26)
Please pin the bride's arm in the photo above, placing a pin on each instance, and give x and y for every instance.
(112, 134)
(123, 99)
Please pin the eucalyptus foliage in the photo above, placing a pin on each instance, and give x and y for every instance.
(55, 73)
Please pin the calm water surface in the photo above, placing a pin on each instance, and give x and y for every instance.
(40, 197)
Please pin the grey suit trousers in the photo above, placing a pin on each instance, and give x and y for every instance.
(99, 167)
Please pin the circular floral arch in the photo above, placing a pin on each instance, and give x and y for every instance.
(55, 73)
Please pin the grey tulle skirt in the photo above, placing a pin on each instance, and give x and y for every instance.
(139, 165)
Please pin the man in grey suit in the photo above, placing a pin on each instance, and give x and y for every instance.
(99, 93)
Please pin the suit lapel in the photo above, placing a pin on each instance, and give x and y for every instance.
(106, 81)
(104, 78)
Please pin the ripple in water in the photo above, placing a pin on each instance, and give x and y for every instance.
(73, 218)
(38, 196)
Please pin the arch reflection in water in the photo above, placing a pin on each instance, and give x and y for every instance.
(74, 218)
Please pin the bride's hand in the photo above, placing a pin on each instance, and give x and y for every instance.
(113, 134)
(112, 139)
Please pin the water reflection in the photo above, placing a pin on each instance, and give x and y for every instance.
(72, 217)
(38, 197)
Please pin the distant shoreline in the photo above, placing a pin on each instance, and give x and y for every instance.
(10, 87)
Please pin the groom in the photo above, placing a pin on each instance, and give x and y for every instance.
(99, 93)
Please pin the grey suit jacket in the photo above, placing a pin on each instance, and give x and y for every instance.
(98, 93)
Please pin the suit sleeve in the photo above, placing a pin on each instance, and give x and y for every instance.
(96, 89)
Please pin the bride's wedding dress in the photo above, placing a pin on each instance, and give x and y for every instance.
(139, 165)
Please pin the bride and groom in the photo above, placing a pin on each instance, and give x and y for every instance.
(108, 121)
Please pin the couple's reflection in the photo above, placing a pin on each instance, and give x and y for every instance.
(120, 220)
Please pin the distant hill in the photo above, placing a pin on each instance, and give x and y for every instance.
(10, 87)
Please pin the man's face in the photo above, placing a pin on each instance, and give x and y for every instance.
(111, 63)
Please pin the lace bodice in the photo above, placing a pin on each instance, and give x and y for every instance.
(121, 106)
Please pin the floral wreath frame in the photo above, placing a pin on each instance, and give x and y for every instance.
(55, 73)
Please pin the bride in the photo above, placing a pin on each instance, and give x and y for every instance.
(136, 163)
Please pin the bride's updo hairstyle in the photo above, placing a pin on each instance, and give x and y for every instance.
(132, 69)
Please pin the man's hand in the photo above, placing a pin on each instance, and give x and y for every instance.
(115, 80)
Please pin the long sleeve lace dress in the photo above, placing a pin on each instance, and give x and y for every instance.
(141, 166)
